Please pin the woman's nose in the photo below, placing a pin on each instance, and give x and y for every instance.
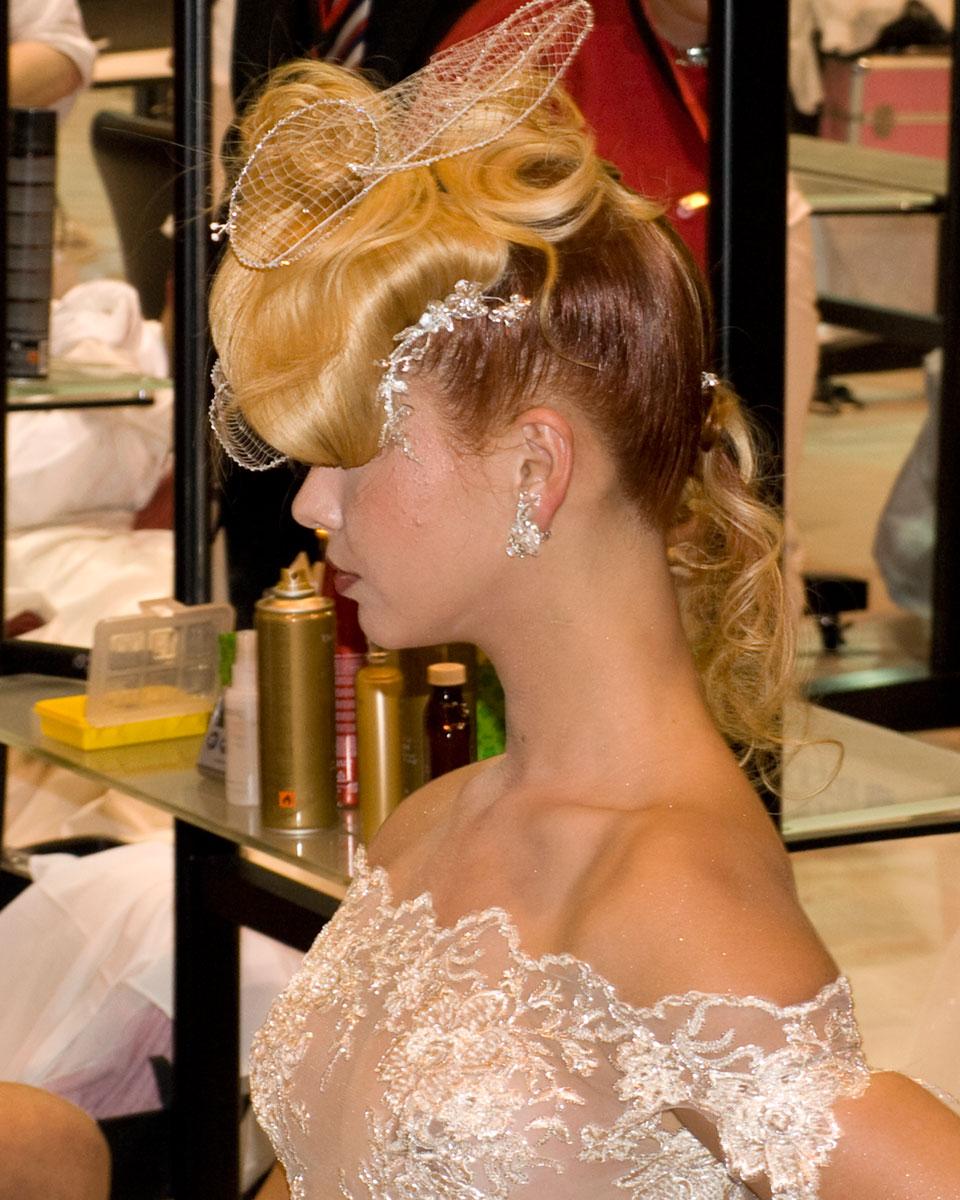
(318, 502)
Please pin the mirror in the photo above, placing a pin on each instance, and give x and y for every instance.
(89, 507)
(869, 157)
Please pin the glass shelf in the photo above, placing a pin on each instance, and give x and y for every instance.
(829, 195)
(74, 385)
(848, 778)
(886, 782)
(164, 774)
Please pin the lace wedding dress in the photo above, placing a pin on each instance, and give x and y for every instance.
(410, 1061)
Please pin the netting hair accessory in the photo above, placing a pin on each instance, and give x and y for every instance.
(465, 303)
(309, 169)
(246, 448)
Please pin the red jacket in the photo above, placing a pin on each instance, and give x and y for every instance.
(648, 113)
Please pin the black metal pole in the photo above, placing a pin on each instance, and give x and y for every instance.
(4, 102)
(206, 1109)
(748, 206)
(4, 108)
(945, 632)
(206, 1086)
(748, 220)
(190, 343)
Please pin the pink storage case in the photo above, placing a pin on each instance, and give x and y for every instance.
(888, 102)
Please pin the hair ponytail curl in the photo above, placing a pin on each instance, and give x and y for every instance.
(725, 552)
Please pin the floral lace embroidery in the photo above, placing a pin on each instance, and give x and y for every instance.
(476, 1071)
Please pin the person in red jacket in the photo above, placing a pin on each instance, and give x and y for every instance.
(643, 95)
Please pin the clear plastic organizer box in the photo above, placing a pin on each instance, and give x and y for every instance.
(151, 676)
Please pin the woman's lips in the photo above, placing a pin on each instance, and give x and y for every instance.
(342, 580)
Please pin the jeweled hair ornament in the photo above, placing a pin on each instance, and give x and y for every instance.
(465, 303)
(309, 169)
(712, 422)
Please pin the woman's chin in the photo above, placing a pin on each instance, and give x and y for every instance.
(391, 635)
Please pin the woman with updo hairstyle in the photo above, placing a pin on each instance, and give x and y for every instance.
(579, 969)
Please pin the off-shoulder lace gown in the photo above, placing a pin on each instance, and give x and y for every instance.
(410, 1061)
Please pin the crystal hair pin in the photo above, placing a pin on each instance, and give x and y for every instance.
(308, 170)
(465, 303)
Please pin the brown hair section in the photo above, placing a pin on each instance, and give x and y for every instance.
(620, 333)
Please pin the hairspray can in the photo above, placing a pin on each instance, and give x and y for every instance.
(298, 766)
(379, 685)
(31, 183)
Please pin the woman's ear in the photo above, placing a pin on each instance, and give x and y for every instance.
(545, 462)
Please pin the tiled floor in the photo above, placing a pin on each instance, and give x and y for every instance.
(888, 911)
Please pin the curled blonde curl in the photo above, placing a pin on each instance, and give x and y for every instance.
(726, 555)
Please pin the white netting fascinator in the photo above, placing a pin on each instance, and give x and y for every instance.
(245, 447)
(310, 168)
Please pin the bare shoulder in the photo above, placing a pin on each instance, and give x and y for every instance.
(411, 833)
(698, 900)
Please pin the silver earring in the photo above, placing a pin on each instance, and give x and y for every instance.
(526, 536)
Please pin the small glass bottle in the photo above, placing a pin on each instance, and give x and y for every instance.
(240, 718)
(447, 719)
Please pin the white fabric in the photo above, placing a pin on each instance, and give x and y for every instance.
(45, 802)
(91, 948)
(88, 572)
(905, 540)
(100, 322)
(55, 23)
(70, 463)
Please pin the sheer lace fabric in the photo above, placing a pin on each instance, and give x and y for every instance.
(410, 1060)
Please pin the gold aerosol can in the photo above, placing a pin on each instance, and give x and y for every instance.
(298, 762)
(379, 688)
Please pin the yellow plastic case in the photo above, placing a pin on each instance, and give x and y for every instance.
(64, 719)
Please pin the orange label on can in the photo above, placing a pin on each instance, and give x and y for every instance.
(287, 799)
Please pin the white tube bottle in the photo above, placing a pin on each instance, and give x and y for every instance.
(240, 718)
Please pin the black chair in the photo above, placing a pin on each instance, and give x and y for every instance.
(136, 160)
(827, 598)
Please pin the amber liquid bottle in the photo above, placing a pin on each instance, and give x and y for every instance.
(447, 719)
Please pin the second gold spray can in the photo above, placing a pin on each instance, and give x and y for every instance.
(379, 686)
(298, 764)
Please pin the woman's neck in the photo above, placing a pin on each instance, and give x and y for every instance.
(600, 684)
